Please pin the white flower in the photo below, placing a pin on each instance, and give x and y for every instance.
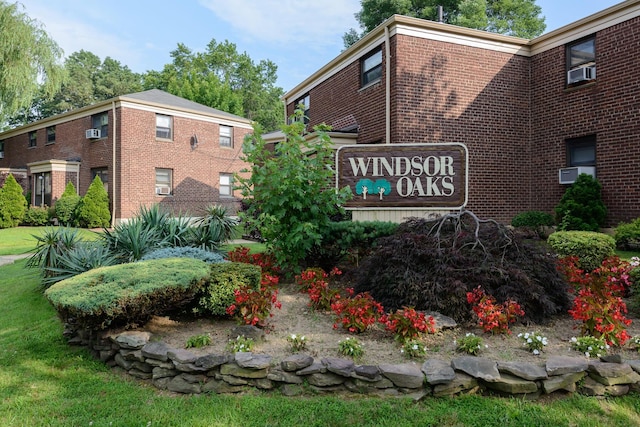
(536, 352)
(589, 348)
(302, 338)
(293, 336)
(586, 353)
(539, 338)
(486, 346)
(574, 339)
(526, 336)
(529, 340)
(520, 335)
(415, 346)
(402, 350)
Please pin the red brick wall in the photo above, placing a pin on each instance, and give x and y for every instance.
(608, 109)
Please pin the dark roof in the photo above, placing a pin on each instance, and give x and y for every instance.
(158, 96)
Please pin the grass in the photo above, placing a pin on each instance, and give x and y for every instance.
(45, 382)
(20, 240)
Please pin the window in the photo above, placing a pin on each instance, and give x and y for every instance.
(226, 136)
(164, 126)
(226, 188)
(164, 181)
(101, 121)
(42, 193)
(371, 67)
(581, 151)
(103, 173)
(1, 149)
(305, 101)
(581, 60)
(33, 139)
(51, 134)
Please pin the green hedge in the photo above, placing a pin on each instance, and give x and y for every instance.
(590, 247)
(128, 294)
(225, 278)
(627, 235)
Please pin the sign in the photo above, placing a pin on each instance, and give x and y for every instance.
(399, 176)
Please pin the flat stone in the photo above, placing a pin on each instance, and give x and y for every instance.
(631, 378)
(442, 321)
(281, 376)
(189, 367)
(369, 372)
(141, 366)
(237, 371)
(477, 367)
(635, 365)
(405, 375)
(461, 383)
(139, 374)
(610, 370)
(159, 363)
(612, 358)
(163, 373)
(253, 361)
(156, 350)
(559, 382)
(132, 355)
(560, 365)
(247, 331)
(291, 390)
(262, 383)
(180, 385)
(339, 366)
(527, 371)
(181, 355)
(230, 379)
(221, 387)
(161, 383)
(513, 385)
(314, 368)
(210, 361)
(122, 362)
(325, 380)
(590, 387)
(296, 362)
(132, 340)
(438, 371)
(368, 386)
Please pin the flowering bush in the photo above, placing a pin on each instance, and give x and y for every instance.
(590, 346)
(598, 300)
(408, 324)
(493, 317)
(298, 342)
(314, 281)
(266, 261)
(470, 344)
(240, 344)
(356, 314)
(350, 347)
(533, 341)
(254, 307)
(413, 348)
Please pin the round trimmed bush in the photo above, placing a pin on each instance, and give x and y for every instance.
(590, 247)
(184, 252)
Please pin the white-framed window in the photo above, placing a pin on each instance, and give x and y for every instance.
(101, 121)
(164, 126)
(371, 67)
(226, 136)
(226, 185)
(164, 181)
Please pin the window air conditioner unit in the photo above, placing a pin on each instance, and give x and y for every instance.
(570, 175)
(92, 133)
(581, 74)
(163, 191)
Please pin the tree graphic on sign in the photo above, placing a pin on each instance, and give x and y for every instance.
(382, 187)
(363, 187)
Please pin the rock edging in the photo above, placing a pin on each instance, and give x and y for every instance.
(183, 371)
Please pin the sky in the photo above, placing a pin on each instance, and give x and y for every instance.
(299, 36)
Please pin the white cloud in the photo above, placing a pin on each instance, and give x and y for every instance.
(288, 21)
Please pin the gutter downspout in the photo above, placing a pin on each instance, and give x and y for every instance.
(113, 166)
(387, 107)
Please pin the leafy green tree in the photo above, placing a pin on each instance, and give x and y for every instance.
(291, 190)
(13, 204)
(581, 206)
(67, 204)
(222, 78)
(93, 209)
(520, 18)
(29, 60)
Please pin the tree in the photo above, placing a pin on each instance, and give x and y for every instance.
(13, 204)
(93, 209)
(90, 80)
(581, 206)
(67, 204)
(520, 18)
(29, 61)
(291, 191)
(222, 78)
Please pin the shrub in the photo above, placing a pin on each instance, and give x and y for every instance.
(225, 278)
(13, 205)
(627, 235)
(590, 346)
(83, 256)
(197, 341)
(66, 205)
(264, 260)
(36, 216)
(351, 347)
(581, 206)
(130, 241)
(347, 241)
(52, 246)
(432, 264)
(356, 314)
(470, 344)
(533, 341)
(184, 252)
(493, 317)
(253, 307)
(128, 294)
(240, 344)
(407, 324)
(93, 209)
(297, 342)
(533, 221)
(590, 247)
(214, 228)
(315, 282)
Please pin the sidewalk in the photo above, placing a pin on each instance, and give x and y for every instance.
(9, 259)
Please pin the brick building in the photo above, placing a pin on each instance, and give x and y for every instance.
(147, 147)
(525, 109)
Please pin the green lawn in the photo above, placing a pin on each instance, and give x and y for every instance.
(20, 240)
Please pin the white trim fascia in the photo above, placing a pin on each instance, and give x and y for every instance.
(53, 166)
(184, 114)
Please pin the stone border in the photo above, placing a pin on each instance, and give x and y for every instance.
(182, 371)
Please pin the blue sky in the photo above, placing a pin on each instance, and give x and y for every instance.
(299, 36)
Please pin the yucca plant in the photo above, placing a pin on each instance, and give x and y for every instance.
(129, 241)
(84, 256)
(52, 246)
(214, 228)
